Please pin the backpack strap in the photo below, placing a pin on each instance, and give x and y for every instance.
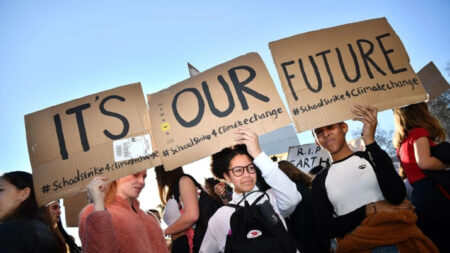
(234, 206)
(176, 187)
(254, 202)
(260, 197)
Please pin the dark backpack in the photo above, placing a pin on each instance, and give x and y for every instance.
(257, 228)
(207, 206)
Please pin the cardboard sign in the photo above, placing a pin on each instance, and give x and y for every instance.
(73, 206)
(323, 73)
(433, 81)
(104, 134)
(307, 156)
(197, 117)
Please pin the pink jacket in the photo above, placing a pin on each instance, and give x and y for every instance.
(120, 229)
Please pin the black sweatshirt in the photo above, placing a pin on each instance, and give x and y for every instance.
(390, 183)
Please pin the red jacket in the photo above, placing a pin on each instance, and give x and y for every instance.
(120, 229)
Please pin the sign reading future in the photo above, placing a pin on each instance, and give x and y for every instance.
(323, 73)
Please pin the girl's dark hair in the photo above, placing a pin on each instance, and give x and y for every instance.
(166, 181)
(53, 228)
(220, 161)
(28, 209)
(73, 247)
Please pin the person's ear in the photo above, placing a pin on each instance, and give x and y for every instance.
(344, 127)
(227, 178)
(24, 194)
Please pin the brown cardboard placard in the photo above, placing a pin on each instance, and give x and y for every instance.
(107, 134)
(73, 206)
(323, 73)
(196, 117)
(433, 81)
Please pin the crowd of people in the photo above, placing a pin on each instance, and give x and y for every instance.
(254, 204)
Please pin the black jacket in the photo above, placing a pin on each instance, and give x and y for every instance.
(26, 235)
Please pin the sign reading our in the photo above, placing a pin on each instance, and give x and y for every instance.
(197, 117)
(307, 156)
(104, 134)
(323, 73)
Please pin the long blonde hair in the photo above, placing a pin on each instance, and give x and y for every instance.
(413, 116)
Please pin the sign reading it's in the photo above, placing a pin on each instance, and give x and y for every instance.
(104, 134)
(197, 117)
(323, 73)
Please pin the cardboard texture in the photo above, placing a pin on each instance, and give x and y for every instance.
(73, 206)
(197, 117)
(433, 81)
(323, 73)
(70, 143)
(307, 156)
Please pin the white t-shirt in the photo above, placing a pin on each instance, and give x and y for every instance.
(171, 212)
(352, 183)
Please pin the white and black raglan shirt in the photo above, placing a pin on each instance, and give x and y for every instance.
(342, 190)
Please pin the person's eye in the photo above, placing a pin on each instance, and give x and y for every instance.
(238, 169)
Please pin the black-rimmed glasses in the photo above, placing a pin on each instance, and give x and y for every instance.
(239, 170)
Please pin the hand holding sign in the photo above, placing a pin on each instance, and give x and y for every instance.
(368, 116)
(246, 136)
(198, 116)
(96, 191)
(363, 62)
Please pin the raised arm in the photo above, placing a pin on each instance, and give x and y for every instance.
(96, 228)
(284, 189)
(390, 182)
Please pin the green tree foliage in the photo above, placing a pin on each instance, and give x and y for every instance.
(439, 107)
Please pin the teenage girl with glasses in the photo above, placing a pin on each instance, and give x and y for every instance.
(238, 165)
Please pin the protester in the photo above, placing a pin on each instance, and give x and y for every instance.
(54, 212)
(360, 198)
(180, 216)
(114, 222)
(22, 228)
(416, 131)
(301, 223)
(238, 165)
